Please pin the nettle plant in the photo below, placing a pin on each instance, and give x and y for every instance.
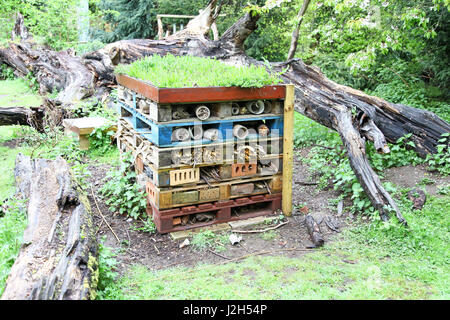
(401, 154)
(100, 138)
(440, 161)
(330, 162)
(121, 191)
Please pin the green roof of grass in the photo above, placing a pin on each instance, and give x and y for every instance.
(186, 71)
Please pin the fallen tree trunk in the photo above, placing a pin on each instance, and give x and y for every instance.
(59, 255)
(22, 116)
(357, 117)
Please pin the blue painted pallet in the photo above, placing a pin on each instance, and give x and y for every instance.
(161, 134)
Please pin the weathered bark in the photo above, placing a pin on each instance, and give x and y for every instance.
(296, 32)
(357, 117)
(201, 24)
(314, 231)
(22, 116)
(61, 71)
(59, 255)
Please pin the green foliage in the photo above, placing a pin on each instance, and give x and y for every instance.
(328, 160)
(187, 71)
(32, 82)
(127, 19)
(208, 239)
(107, 286)
(440, 161)
(12, 224)
(121, 191)
(148, 226)
(6, 73)
(82, 48)
(308, 132)
(50, 22)
(94, 108)
(54, 143)
(401, 154)
(100, 139)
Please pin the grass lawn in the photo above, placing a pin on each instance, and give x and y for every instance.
(17, 93)
(370, 261)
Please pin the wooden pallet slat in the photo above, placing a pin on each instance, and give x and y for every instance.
(221, 211)
(200, 94)
(164, 198)
(161, 134)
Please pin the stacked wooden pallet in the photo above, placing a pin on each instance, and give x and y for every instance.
(204, 159)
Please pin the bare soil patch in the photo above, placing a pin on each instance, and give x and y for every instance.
(159, 251)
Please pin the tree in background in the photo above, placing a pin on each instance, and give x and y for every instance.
(127, 19)
(394, 49)
(295, 33)
(51, 22)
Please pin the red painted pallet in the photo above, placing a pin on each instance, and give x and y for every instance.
(222, 211)
(200, 94)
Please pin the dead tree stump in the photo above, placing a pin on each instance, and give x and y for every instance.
(59, 255)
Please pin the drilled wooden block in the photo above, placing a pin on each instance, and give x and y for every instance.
(276, 184)
(241, 189)
(160, 113)
(151, 192)
(225, 171)
(209, 194)
(185, 197)
(243, 169)
(139, 165)
(183, 176)
(221, 110)
(277, 107)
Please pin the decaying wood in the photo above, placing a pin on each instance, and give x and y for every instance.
(314, 231)
(356, 116)
(201, 24)
(59, 255)
(22, 116)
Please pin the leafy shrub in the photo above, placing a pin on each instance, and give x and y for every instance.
(100, 139)
(121, 191)
(329, 161)
(149, 226)
(107, 287)
(440, 161)
(6, 73)
(401, 155)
